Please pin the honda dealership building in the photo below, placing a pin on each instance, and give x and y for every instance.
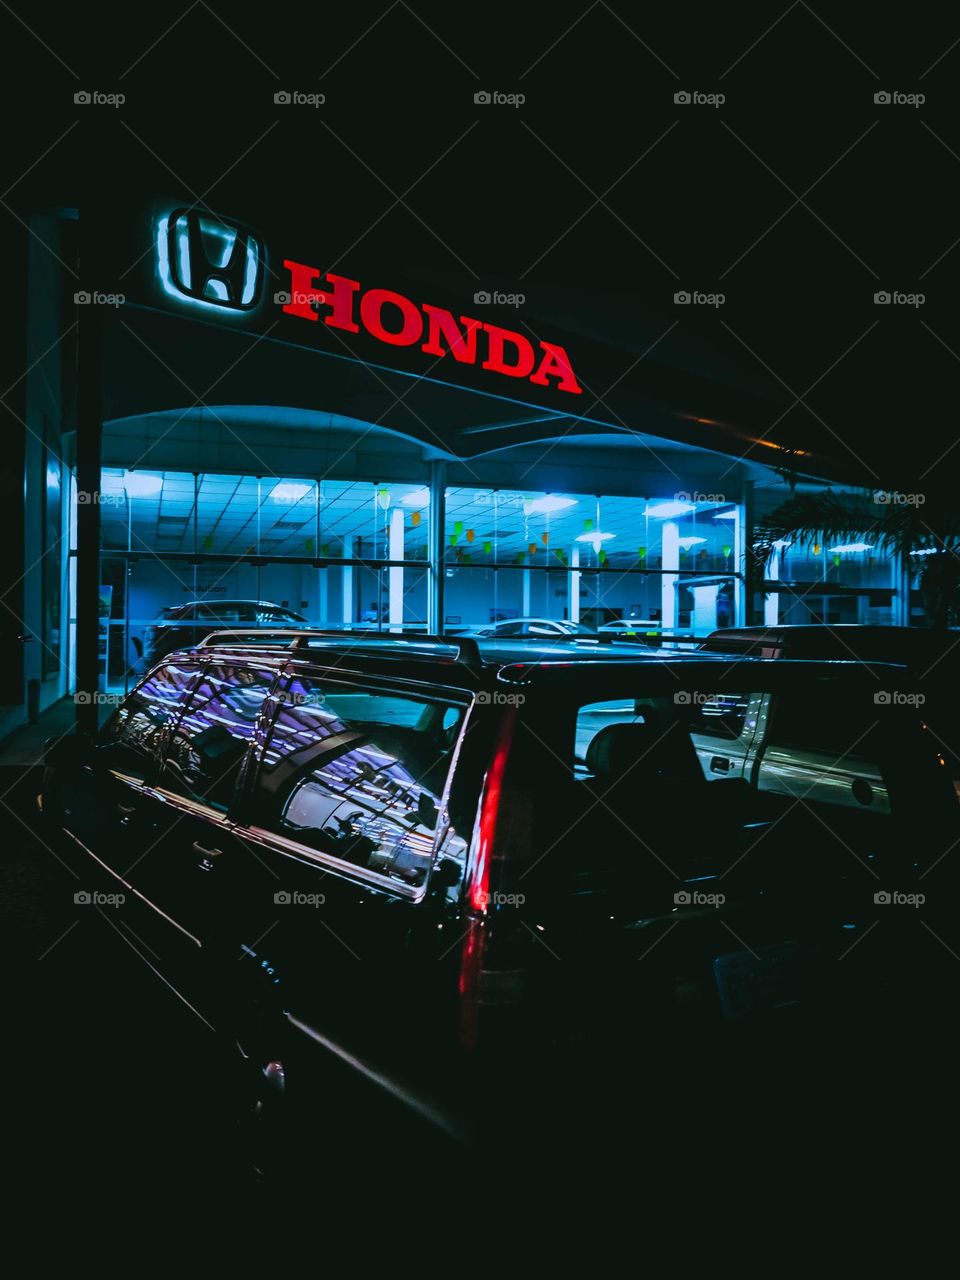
(215, 416)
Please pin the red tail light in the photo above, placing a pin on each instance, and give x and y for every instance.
(481, 853)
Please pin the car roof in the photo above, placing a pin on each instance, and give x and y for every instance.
(470, 663)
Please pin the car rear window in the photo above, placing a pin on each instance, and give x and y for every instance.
(358, 775)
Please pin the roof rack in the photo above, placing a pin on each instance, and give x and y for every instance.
(394, 644)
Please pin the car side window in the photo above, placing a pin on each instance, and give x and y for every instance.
(211, 739)
(358, 775)
(132, 738)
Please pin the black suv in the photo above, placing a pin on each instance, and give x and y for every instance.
(412, 861)
(182, 625)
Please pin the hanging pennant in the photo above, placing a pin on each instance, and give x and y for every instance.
(587, 525)
(458, 527)
(487, 548)
(641, 553)
(545, 537)
(453, 539)
(725, 550)
(415, 519)
(471, 534)
(816, 548)
(602, 557)
(383, 497)
(532, 549)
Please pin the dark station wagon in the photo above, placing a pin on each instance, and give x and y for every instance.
(434, 867)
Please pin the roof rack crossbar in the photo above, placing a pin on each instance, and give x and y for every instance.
(466, 649)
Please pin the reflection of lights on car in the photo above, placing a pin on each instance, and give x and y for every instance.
(851, 546)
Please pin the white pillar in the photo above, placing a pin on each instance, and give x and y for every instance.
(346, 586)
(771, 599)
(526, 594)
(574, 577)
(395, 575)
(742, 538)
(669, 560)
(705, 608)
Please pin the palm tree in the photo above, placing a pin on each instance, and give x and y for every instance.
(897, 524)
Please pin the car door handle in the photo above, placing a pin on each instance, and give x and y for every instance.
(720, 764)
(207, 856)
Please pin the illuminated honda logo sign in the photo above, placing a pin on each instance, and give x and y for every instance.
(210, 262)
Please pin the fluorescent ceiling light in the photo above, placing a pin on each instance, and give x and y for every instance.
(290, 491)
(551, 502)
(851, 546)
(417, 498)
(142, 484)
(594, 536)
(667, 510)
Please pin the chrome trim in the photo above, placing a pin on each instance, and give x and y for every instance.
(127, 885)
(396, 1090)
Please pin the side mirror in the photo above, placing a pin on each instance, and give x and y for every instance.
(69, 752)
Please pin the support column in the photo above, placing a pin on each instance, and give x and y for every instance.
(395, 575)
(670, 560)
(901, 571)
(575, 584)
(437, 519)
(771, 599)
(346, 582)
(742, 542)
(88, 516)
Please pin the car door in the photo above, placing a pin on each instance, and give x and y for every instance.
(118, 816)
(191, 863)
(343, 818)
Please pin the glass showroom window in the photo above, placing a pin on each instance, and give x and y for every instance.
(650, 563)
(840, 582)
(185, 552)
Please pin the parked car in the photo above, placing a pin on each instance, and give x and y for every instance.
(430, 870)
(631, 627)
(509, 628)
(181, 625)
(930, 660)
